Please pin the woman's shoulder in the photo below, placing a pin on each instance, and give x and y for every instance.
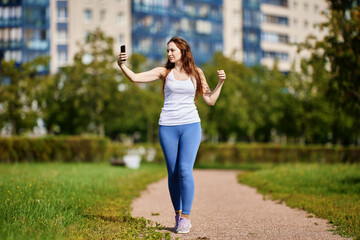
(161, 71)
(199, 70)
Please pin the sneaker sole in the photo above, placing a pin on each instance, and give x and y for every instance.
(184, 231)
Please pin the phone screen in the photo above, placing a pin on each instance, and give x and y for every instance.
(122, 49)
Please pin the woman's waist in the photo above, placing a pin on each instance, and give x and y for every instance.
(181, 108)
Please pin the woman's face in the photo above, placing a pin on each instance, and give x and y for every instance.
(174, 53)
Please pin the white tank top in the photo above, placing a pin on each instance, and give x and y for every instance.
(179, 105)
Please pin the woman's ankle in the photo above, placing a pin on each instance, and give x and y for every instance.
(185, 216)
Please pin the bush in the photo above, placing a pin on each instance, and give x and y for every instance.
(49, 149)
(269, 153)
(223, 153)
(90, 149)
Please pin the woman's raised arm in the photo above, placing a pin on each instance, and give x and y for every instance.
(210, 97)
(143, 77)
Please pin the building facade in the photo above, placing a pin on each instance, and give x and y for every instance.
(200, 22)
(249, 31)
(24, 29)
(270, 30)
(73, 20)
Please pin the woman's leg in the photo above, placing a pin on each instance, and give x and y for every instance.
(169, 141)
(188, 147)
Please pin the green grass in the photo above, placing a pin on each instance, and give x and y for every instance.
(74, 201)
(329, 191)
(234, 166)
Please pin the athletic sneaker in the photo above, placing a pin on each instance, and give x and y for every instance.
(184, 225)
(177, 219)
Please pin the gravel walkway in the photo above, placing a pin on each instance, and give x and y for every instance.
(224, 209)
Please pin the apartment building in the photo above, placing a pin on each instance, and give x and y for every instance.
(24, 29)
(144, 26)
(73, 20)
(249, 31)
(200, 22)
(265, 31)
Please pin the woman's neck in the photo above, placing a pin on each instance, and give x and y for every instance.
(179, 67)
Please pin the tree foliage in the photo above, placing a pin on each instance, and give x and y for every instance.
(256, 104)
(341, 49)
(81, 95)
(92, 96)
(20, 87)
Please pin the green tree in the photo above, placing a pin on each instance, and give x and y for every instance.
(141, 106)
(251, 103)
(308, 116)
(80, 95)
(228, 119)
(341, 49)
(19, 88)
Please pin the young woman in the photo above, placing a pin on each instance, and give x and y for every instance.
(179, 124)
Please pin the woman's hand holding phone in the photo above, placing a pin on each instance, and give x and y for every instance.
(123, 56)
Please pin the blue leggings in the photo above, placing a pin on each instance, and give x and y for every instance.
(180, 145)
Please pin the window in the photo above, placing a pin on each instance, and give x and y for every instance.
(86, 36)
(120, 18)
(295, 4)
(252, 37)
(236, 16)
(87, 15)
(274, 37)
(43, 35)
(12, 55)
(102, 15)
(306, 24)
(62, 14)
(317, 27)
(275, 19)
(295, 22)
(204, 10)
(282, 3)
(145, 45)
(62, 58)
(203, 27)
(185, 25)
(306, 7)
(62, 36)
(316, 8)
(275, 55)
(250, 57)
(190, 10)
(120, 38)
(204, 47)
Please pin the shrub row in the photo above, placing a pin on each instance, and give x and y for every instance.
(89, 149)
(268, 153)
(48, 149)
(223, 153)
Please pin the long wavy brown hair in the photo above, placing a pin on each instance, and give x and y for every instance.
(188, 64)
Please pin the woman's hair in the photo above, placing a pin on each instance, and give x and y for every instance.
(187, 61)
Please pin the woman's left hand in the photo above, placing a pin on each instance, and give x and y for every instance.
(221, 75)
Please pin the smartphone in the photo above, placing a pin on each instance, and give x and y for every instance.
(122, 50)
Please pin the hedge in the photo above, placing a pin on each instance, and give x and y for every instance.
(269, 153)
(49, 149)
(90, 149)
(223, 153)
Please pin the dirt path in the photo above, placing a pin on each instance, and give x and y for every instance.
(224, 209)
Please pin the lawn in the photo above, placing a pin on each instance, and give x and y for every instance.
(73, 201)
(329, 191)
